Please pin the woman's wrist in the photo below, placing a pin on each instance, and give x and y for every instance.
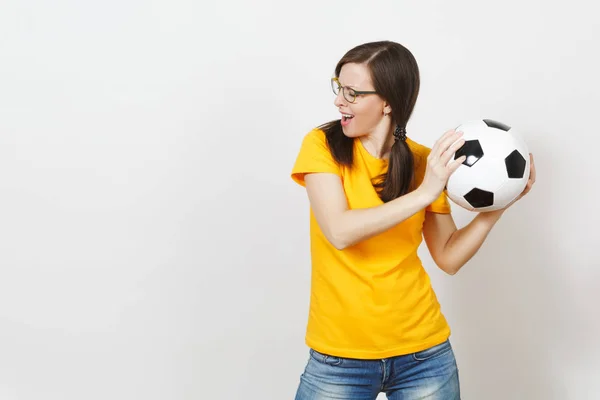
(491, 216)
(424, 197)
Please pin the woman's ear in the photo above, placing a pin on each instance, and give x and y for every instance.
(387, 110)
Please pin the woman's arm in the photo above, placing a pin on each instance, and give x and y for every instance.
(451, 248)
(344, 227)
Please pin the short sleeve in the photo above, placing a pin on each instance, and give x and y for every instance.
(441, 205)
(314, 156)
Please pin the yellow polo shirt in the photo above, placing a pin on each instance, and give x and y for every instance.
(373, 299)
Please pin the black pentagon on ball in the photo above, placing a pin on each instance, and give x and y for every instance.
(472, 149)
(515, 165)
(480, 198)
(495, 124)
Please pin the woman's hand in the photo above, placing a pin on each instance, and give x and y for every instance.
(496, 214)
(439, 168)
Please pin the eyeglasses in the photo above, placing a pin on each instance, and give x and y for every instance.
(348, 93)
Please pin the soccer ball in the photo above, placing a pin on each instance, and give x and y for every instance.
(496, 169)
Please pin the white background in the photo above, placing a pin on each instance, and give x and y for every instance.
(153, 246)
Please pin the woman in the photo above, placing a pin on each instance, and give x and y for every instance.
(374, 323)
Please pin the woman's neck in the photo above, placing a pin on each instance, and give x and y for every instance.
(378, 143)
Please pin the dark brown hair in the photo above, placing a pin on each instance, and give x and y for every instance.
(395, 76)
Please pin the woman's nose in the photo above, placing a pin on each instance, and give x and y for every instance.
(340, 100)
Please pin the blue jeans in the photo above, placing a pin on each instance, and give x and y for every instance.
(430, 374)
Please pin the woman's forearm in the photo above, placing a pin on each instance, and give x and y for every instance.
(357, 225)
(465, 242)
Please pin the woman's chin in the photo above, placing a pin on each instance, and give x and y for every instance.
(349, 132)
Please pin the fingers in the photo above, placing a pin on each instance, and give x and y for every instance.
(444, 148)
(447, 144)
(532, 169)
(531, 179)
(454, 165)
(446, 155)
(438, 143)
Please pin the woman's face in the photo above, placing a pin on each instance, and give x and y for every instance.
(367, 112)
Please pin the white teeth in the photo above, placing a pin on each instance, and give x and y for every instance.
(347, 115)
